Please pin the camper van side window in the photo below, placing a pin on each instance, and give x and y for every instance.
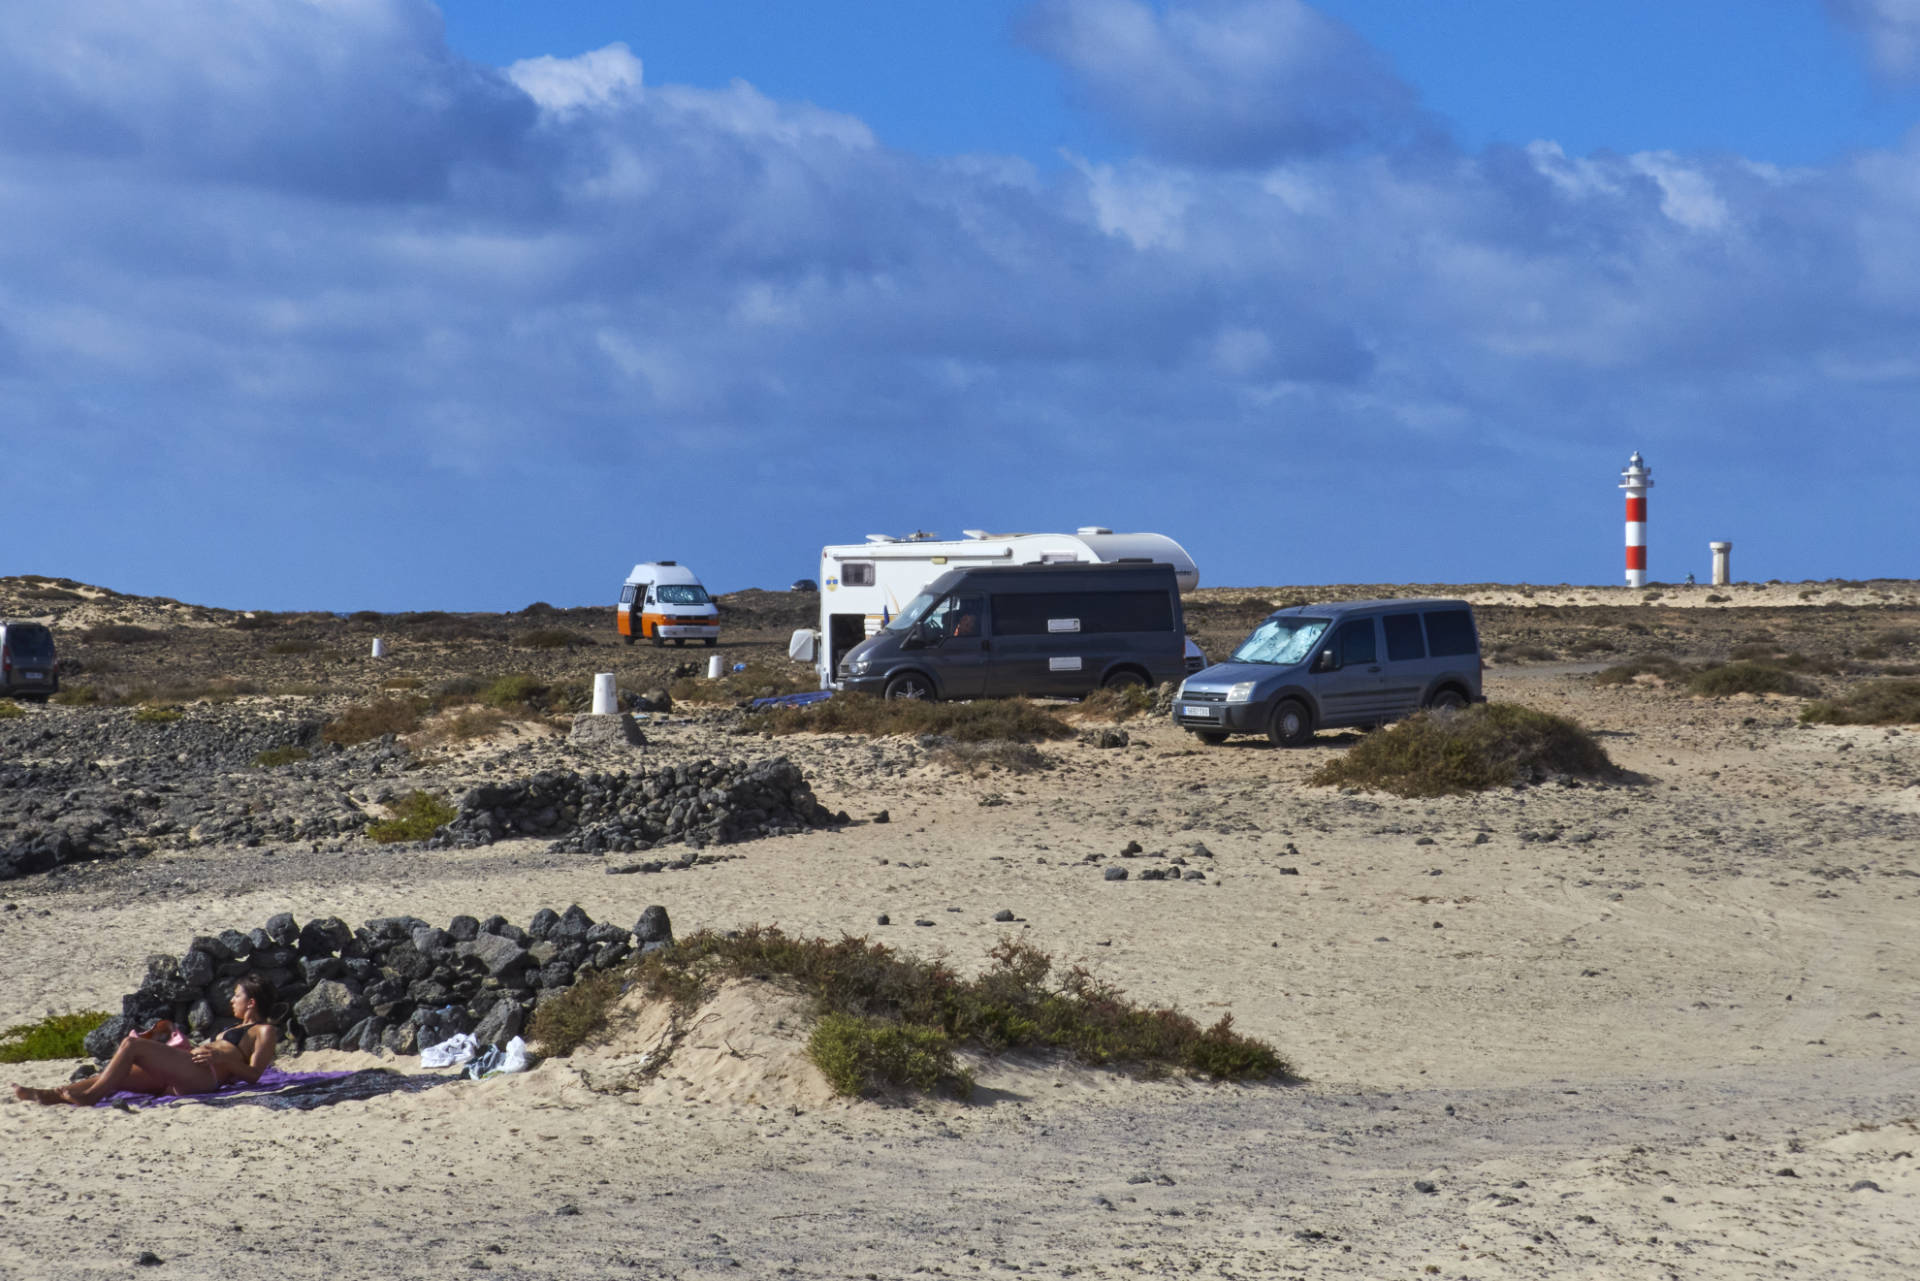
(856, 573)
(627, 594)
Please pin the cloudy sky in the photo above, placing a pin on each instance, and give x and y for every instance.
(358, 304)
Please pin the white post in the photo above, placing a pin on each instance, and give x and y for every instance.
(379, 648)
(1722, 563)
(714, 667)
(605, 700)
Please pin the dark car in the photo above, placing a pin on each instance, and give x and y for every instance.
(804, 585)
(29, 668)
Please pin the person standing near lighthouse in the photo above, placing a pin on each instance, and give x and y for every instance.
(1637, 479)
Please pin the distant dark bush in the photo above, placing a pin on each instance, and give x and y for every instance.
(539, 609)
(554, 638)
(1592, 645)
(121, 634)
(50, 594)
(1881, 702)
(1011, 720)
(1524, 653)
(1480, 747)
(254, 622)
(370, 720)
(274, 757)
(365, 616)
(1123, 703)
(157, 715)
(1752, 650)
(1667, 669)
(1749, 678)
(416, 816)
(456, 688)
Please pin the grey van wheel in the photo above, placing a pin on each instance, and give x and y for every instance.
(1124, 679)
(1292, 724)
(1448, 699)
(910, 685)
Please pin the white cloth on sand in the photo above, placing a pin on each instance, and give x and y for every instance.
(456, 1049)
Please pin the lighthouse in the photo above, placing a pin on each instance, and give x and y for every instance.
(1637, 479)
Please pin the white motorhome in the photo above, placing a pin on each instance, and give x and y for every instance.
(663, 601)
(862, 585)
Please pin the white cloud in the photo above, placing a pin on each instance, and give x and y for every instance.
(1890, 30)
(599, 79)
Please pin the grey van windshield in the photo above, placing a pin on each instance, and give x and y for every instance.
(912, 612)
(1282, 641)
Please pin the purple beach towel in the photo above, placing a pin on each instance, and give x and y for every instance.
(290, 1091)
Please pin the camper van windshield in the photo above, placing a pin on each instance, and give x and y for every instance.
(914, 611)
(1282, 641)
(682, 594)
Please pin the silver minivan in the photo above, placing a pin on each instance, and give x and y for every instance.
(1352, 663)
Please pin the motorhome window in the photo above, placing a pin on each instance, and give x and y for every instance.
(682, 594)
(1404, 641)
(1357, 643)
(1450, 633)
(1027, 613)
(1284, 641)
(627, 594)
(914, 611)
(856, 573)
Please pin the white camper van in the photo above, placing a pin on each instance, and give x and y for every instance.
(663, 600)
(862, 585)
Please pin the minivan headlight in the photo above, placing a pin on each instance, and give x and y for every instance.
(1240, 692)
(1182, 691)
(859, 666)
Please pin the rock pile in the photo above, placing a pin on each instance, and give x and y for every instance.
(699, 804)
(396, 983)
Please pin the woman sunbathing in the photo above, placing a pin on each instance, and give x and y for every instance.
(159, 1061)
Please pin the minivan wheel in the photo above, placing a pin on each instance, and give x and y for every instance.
(1292, 724)
(1447, 700)
(1125, 680)
(1211, 737)
(711, 641)
(910, 685)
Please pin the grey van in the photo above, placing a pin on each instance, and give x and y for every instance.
(1355, 663)
(1026, 629)
(28, 666)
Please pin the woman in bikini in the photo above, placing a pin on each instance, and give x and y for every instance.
(147, 1063)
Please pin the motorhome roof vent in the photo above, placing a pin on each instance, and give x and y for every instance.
(881, 538)
(1093, 529)
(666, 562)
(975, 534)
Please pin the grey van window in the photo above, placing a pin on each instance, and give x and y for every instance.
(1403, 637)
(856, 573)
(955, 617)
(1356, 643)
(911, 613)
(1450, 632)
(1026, 614)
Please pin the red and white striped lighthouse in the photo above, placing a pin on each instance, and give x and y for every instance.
(1637, 479)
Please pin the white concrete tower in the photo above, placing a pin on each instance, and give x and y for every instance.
(1637, 479)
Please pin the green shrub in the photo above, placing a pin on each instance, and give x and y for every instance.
(1124, 703)
(1881, 702)
(58, 1036)
(370, 720)
(864, 1056)
(274, 757)
(1667, 669)
(554, 638)
(10, 710)
(402, 682)
(1747, 677)
(1480, 747)
(121, 634)
(517, 691)
(1015, 1004)
(77, 696)
(416, 816)
(563, 1023)
(469, 723)
(157, 715)
(458, 688)
(1009, 720)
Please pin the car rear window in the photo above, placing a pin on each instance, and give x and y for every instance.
(1450, 632)
(30, 643)
(1403, 637)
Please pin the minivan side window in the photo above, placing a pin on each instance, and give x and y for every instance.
(1028, 613)
(1356, 643)
(856, 573)
(1450, 632)
(1403, 637)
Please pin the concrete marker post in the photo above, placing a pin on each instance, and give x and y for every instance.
(605, 699)
(379, 648)
(714, 667)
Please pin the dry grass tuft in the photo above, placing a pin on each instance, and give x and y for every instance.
(1881, 702)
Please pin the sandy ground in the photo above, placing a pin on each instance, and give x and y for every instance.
(1656, 1030)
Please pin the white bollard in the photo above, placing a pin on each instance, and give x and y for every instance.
(714, 668)
(379, 648)
(605, 700)
(1722, 563)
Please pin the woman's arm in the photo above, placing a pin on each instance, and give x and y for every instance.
(244, 1064)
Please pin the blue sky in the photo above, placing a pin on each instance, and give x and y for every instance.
(370, 304)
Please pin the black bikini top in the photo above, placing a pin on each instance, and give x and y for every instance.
(237, 1033)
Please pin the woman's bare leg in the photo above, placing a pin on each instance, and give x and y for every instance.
(145, 1066)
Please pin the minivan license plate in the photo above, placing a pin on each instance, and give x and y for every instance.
(1196, 709)
(33, 676)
